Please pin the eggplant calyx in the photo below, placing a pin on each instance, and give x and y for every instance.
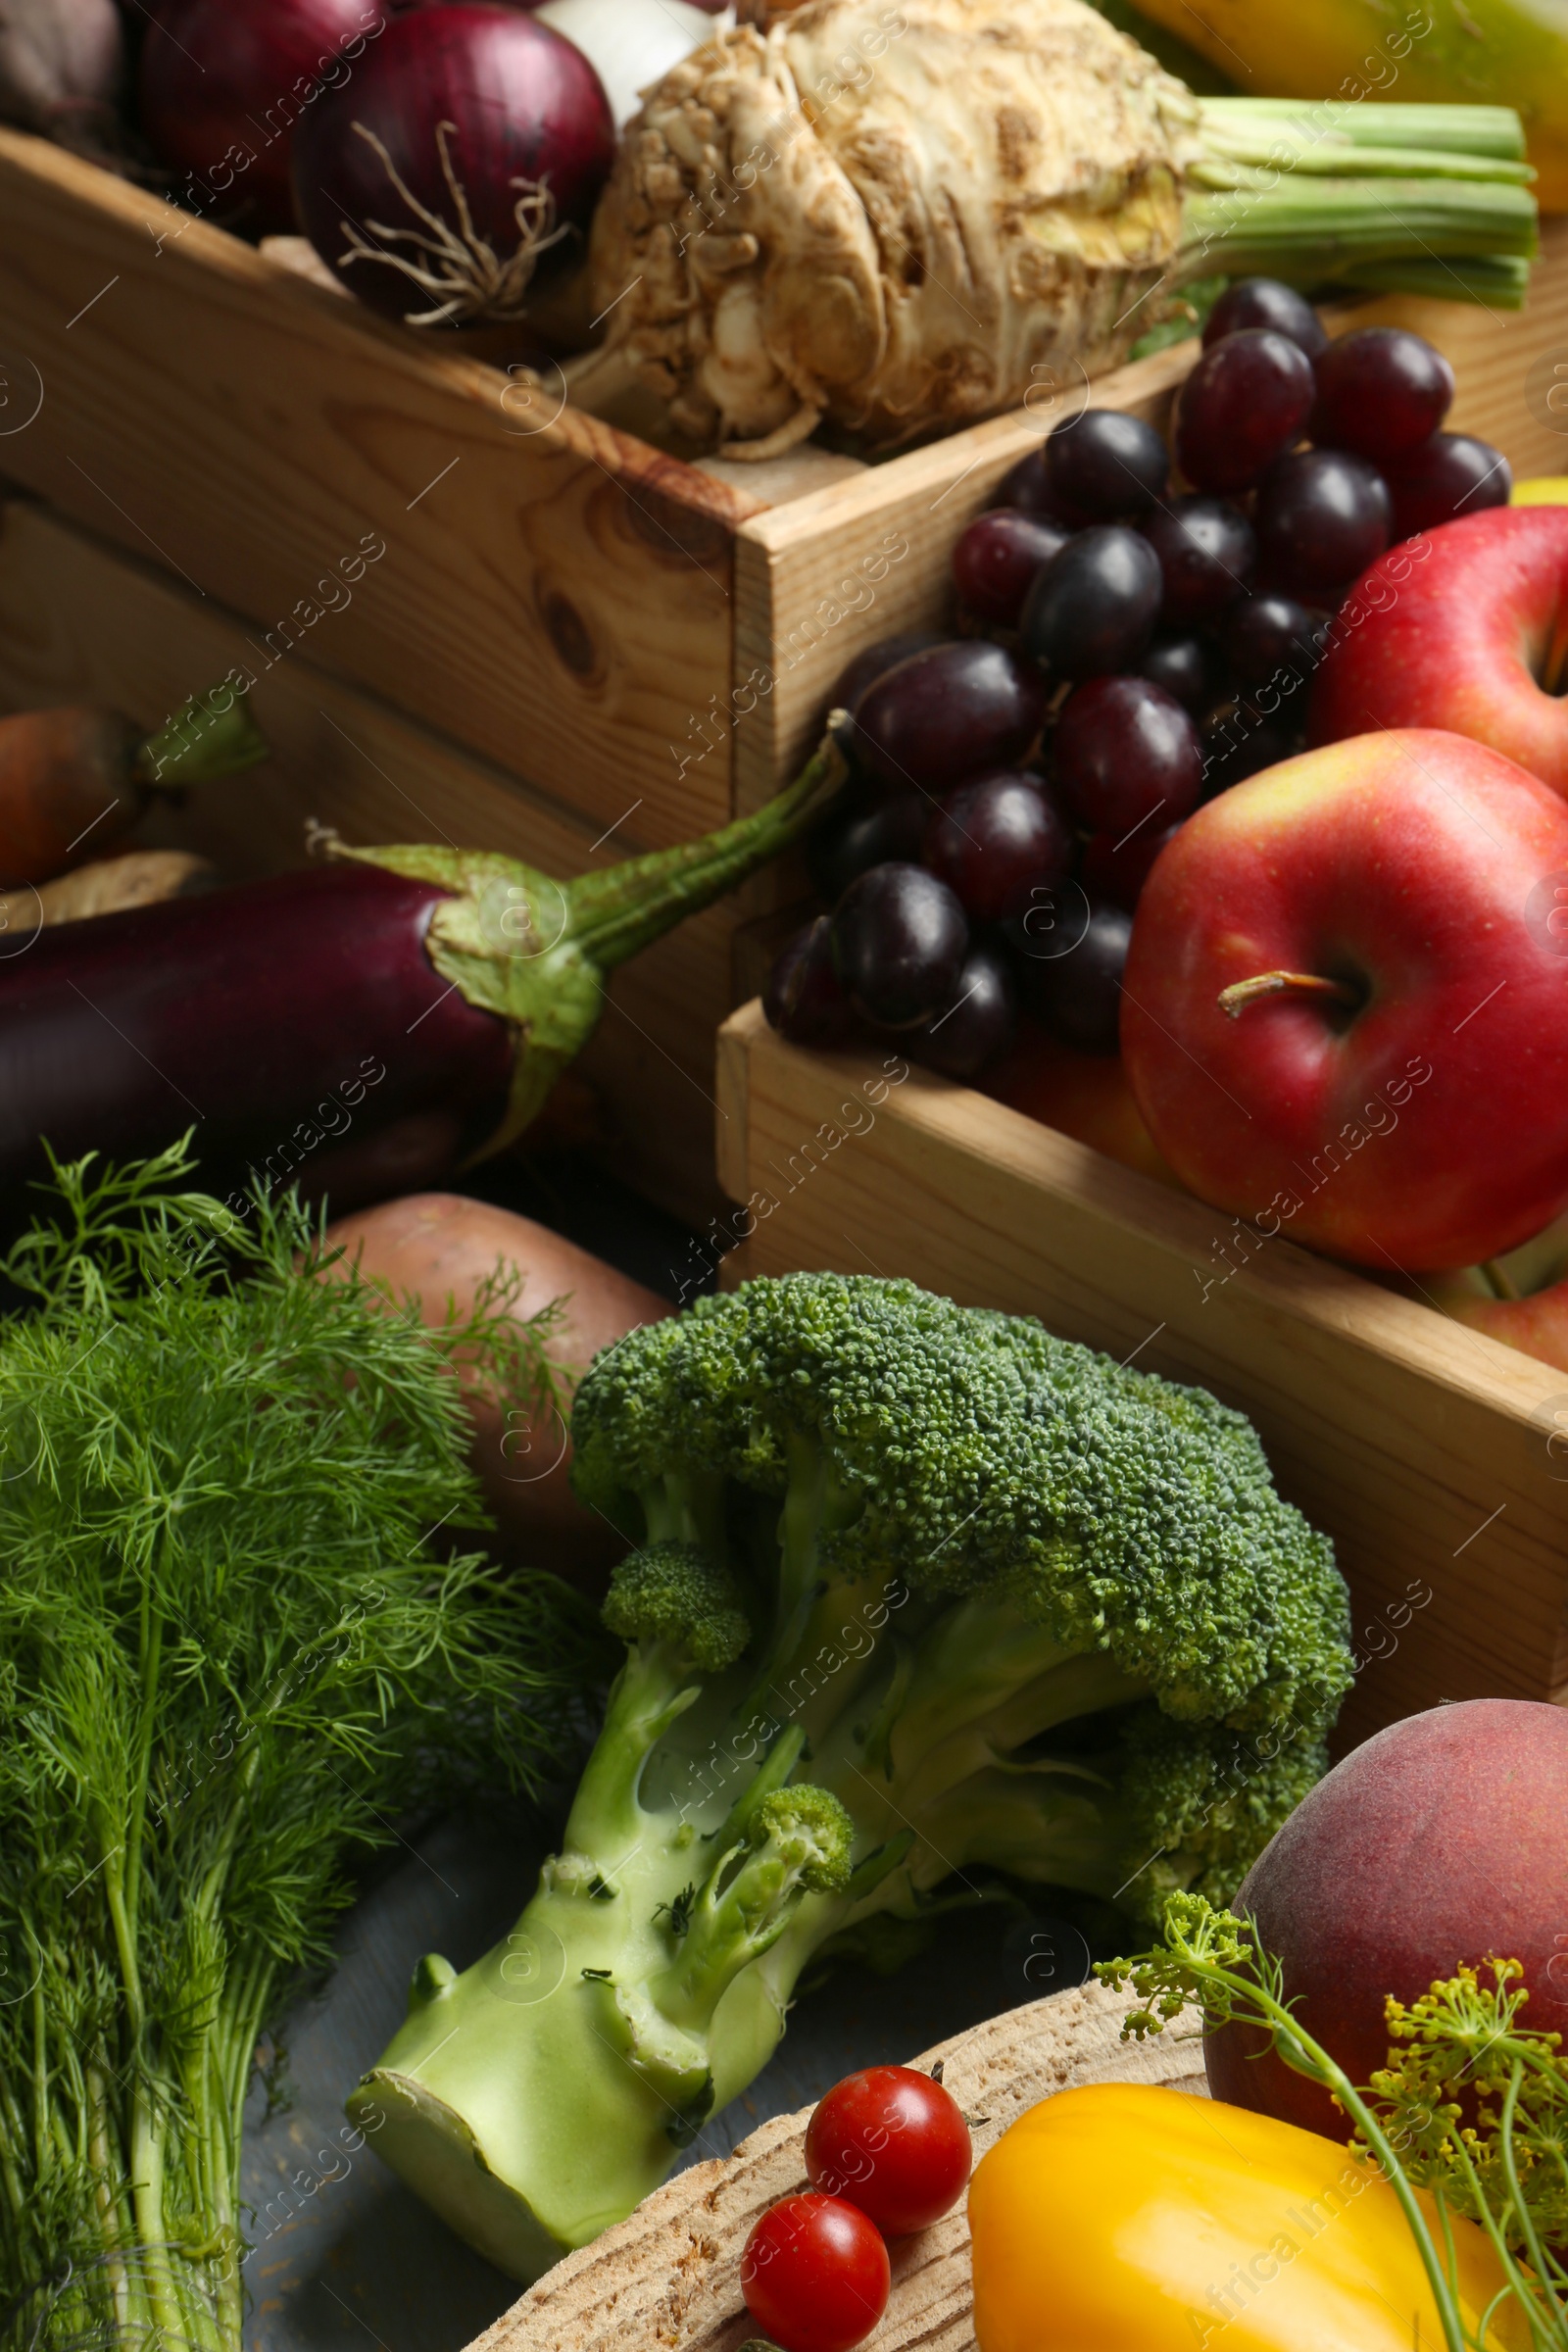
(536, 952)
(514, 913)
(504, 939)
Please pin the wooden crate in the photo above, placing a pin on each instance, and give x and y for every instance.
(625, 645)
(81, 623)
(1432, 1456)
(627, 631)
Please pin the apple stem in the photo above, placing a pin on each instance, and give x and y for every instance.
(1241, 993)
(1501, 1286)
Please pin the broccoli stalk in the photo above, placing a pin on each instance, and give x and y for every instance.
(924, 1601)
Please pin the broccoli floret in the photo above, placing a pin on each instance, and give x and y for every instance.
(928, 1600)
(676, 1595)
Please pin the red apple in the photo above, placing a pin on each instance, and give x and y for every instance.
(1463, 627)
(1537, 1325)
(1387, 1078)
(1082, 1094)
(1436, 1843)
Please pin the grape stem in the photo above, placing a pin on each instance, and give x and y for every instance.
(1241, 993)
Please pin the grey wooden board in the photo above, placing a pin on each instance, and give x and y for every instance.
(345, 2258)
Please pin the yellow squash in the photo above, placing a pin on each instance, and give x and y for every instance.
(1479, 52)
(1124, 2219)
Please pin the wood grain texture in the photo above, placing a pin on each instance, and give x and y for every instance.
(554, 593)
(670, 2275)
(819, 578)
(81, 623)
(1422, 1447)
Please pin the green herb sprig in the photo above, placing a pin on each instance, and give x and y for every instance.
(1459, 2051)
(239, 1641)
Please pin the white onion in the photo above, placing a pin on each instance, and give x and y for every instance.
(61, 66)
(630, 44)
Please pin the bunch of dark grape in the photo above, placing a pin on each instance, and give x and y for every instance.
(1135, 630)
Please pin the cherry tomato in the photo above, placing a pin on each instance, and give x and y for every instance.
(814, 2275)
(895, 2144)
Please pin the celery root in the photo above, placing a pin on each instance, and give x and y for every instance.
(899, 216)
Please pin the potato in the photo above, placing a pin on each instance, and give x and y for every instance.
(438, 1247)
(1438, 1841)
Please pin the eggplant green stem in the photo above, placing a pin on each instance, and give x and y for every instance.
(618, 914)
(536, 952)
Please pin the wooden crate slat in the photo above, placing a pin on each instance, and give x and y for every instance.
(1420, 1446)
(561, 600)
(80, 623)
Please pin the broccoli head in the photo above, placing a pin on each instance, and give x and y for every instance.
(927, 1602)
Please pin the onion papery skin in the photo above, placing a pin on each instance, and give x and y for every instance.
(225, 83)
(525, 105)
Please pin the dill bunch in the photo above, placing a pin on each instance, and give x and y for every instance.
(237, 1642)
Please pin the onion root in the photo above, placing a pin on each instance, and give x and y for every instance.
(462, 272)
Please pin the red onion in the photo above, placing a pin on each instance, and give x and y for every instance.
(465, 156)
(224, 84)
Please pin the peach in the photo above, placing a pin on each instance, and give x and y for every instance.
(1439, 1841)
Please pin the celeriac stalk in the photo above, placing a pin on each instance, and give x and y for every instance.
(1419, 199)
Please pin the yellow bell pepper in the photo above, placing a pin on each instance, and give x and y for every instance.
(1475, 52)
(1122, 2218)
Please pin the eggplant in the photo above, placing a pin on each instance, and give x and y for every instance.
(385, 985)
